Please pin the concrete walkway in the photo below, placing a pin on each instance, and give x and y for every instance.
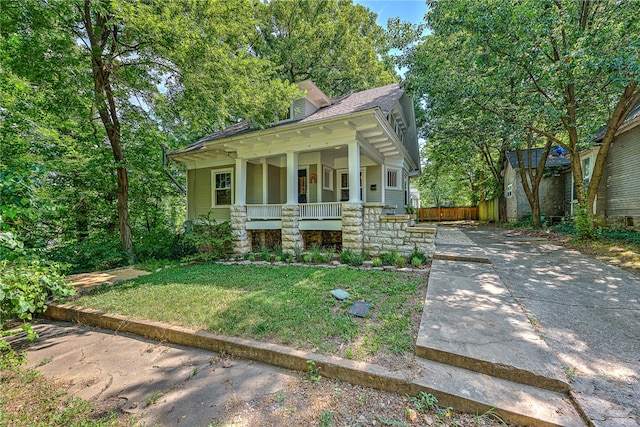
(588, 313)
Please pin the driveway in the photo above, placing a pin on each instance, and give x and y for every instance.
(587, 312)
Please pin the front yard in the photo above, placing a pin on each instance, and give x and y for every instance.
(288, 305)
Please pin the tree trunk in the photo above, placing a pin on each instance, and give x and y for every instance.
(102, 47)
(531, 181)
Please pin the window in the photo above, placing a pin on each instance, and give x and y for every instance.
(393, 179)
(222, 187)
(343, 178)
(327, 178)
(586, 168)
(509, 190)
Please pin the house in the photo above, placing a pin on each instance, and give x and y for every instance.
(335, 172)
(552, 186)
(617, 202)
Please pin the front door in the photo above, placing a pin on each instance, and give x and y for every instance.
(302, 186)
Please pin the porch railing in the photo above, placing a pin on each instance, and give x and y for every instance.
(321, 210)
(264, 212)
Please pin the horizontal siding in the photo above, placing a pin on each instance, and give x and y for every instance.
(374, 176)
(199, 195)
(623, 180)
(254, 183)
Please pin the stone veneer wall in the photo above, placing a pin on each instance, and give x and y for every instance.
(291, 237)
(386, 233)
(352, 230)
(241, 240)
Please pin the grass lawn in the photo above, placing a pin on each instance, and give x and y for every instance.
(286, 304)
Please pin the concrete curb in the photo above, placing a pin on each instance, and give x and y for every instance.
(402, 382)
(445, 257)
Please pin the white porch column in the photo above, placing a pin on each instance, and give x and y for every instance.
(265, 181)
(383, 184)
(241, 182)
(292, 178)
(354, 172)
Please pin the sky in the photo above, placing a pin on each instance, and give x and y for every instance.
(408, 10)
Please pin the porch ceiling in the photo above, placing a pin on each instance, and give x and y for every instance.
(369, 128)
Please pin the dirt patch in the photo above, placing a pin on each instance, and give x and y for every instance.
(334, 403)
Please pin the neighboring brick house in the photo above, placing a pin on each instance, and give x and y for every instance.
(292, 183)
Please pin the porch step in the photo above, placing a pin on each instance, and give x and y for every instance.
(513, 402)
(471, 321)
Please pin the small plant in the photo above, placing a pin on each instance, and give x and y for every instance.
(347, 256)
(416, 262)
(326, 419)
(277, 258)
(265, 254)
(297, 252)
(306, 258)
(277, 248)
(316, 254)
(401, 262)
(377, 262)
(417, 254)
(348, 354)
(314, 373)
(488, 415)
(389, 258)
(424, 401)
(153, 398)
(250, 257)
(570, 373)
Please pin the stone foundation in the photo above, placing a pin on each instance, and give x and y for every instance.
(386, 233)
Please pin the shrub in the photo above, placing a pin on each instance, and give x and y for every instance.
(212, 239)
(401, 262)
(389, 258)
(377, 262)
(161, 243)
(419, 257)
(26, 282)
(349, 257)
(90, 255)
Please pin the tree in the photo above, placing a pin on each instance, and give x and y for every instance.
(574, 67)
(136, 76)
(335, 43)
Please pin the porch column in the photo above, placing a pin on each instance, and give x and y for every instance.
(383, 184)
(241, 182)
(265, 181)
(292, 178)
(354, 172)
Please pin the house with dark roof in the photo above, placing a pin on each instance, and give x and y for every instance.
(552, 186)
(330, 173)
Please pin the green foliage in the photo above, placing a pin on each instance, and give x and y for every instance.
(347, 256)
(327, 419)
(583, 222)
(389, 258)
(314, 373)
(424, 401)
(401, 262)
(212, 239)
(90, 255)
(377, 262)
(26, 283)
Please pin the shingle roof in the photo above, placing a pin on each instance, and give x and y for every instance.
(383, 97)
(557, 157)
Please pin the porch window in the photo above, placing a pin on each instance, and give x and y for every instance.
(222, 187)
(327, 178)
(393, 179)
(344, 184)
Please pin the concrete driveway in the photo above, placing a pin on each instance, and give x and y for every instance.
(587, 312)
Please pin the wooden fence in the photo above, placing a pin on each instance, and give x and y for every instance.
(448, 214)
